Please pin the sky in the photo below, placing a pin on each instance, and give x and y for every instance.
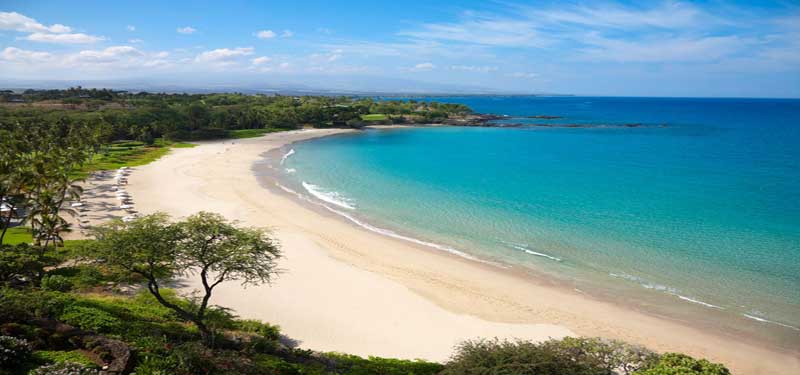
(637, 48)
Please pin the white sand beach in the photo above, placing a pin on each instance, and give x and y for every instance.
(350, 290)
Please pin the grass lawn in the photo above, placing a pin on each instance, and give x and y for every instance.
(250, 133)
(129, 154)
(17, 235)
(22, 234)
(373, 117)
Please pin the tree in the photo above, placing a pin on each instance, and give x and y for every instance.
(203, 245)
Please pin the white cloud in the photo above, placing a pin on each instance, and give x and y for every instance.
(157, 63)
(13, 54)
(224, 54)
(485, 30)
(327, 57)
(472, 68)
(76, 38)
(135, 41)
(260, 60)
(287, 34)
(284, 65)
(110, 54)
(161, 55)
(18, 22)
(525, 75)
(669, 14)
(130, 28)
(421, 67)
(682, 49)
(186, 30)
(265, 34)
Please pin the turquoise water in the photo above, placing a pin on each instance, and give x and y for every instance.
(696, 211)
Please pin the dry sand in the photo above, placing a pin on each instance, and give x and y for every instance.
(350, 290)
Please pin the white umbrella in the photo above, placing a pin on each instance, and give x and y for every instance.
(126, 206)
(76, 204)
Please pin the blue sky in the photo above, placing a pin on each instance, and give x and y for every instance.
(661, 48)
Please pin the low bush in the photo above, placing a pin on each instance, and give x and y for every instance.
(256, 326)
(682, 364)
(613, 355)
(65, 368)
(13, 352)
(90, 318)
(515, 357)
(56, 283)
(355, 365)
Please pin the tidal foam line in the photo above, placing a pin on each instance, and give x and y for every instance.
(330, 197)
(762, 320)
(288, 154)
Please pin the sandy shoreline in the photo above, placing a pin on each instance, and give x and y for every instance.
(351, 290)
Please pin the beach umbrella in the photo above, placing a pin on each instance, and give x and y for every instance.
(76, 204)
(126, 206)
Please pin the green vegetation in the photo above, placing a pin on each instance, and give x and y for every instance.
(72, 307)
(250, 133)
(374, 117)
(18, 235)
(46, 357)
(204, 243)
(147, 117)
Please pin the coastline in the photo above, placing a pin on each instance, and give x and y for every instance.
(359, 287)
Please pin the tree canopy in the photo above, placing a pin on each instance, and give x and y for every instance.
(203, 245)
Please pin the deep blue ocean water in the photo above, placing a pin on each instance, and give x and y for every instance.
(696, 209)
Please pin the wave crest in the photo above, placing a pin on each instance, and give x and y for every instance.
(330, 197)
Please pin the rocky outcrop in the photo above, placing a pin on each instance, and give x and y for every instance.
(115, 357)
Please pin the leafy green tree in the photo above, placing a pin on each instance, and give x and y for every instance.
(204, 245)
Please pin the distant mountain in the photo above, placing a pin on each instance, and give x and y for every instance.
(306, 85)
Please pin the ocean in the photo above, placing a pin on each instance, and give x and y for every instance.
(689, 208)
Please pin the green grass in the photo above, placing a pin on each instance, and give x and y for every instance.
(374, 117)
(250, 133)
(57, 356)
(129, 154)
(17, 235)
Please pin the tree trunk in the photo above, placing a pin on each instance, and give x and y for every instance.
(205, 333)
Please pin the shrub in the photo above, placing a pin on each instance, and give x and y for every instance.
(19, 262)
(156, 365)
(88, 277)
(65, 368)
(22, 305)
(682, 364)
(56, 283)
(90, 318)
(518, 357)
(13, 351)
(612, 355)
(256, 326)
(355, 365)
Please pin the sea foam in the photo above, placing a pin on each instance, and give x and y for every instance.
(762, 320)
(330, 197)
(524, 248)
(286, 155)
(386, 232)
